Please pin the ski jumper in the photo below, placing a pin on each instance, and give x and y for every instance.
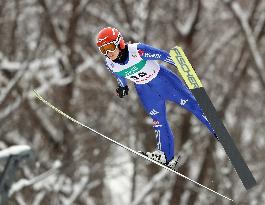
(155, 84)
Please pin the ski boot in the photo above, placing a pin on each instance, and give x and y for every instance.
(172, 164)
(157, 155)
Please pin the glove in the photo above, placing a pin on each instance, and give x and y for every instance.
(122, 91)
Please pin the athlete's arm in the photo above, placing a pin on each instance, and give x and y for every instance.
(122, 82)
(150, 53)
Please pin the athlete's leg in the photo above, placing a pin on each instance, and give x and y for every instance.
(154, 105)
(180, 94)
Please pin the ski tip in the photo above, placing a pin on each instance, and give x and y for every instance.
(35, 93)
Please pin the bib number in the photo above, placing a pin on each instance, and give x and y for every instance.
(139, 75)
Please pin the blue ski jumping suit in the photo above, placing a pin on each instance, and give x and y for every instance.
(155, 84)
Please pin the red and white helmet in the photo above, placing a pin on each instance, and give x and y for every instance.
(110, 35)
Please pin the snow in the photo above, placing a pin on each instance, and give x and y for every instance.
(149, 187)
(220, 153)
(10, 109)
(11, 66)
(218, 42)
(217, 46)
(90, 61)
(20, 199)
(46, 179)
(118, 180)
(47, 124)
(77, 190)
(39, 197)
(15, 150)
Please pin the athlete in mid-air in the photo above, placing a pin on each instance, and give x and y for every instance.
(154, 83)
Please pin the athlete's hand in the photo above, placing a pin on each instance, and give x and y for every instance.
(122, 91)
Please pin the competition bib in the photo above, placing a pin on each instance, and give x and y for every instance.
(137, 70)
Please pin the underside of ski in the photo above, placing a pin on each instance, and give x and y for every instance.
(125, 147)
(196, 87)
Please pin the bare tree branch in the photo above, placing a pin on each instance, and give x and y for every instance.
(242, 18)
(13, 83)
(50, 27)
(149, 187)
(189, 25)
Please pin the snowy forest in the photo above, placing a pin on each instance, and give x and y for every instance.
(50, 46)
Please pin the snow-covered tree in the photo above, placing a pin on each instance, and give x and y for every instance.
(50, 46)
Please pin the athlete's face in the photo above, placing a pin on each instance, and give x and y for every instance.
(113, 54)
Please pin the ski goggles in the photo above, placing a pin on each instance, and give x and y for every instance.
(110, 47)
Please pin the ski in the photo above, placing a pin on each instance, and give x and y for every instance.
(123, 146)
(197, 89)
